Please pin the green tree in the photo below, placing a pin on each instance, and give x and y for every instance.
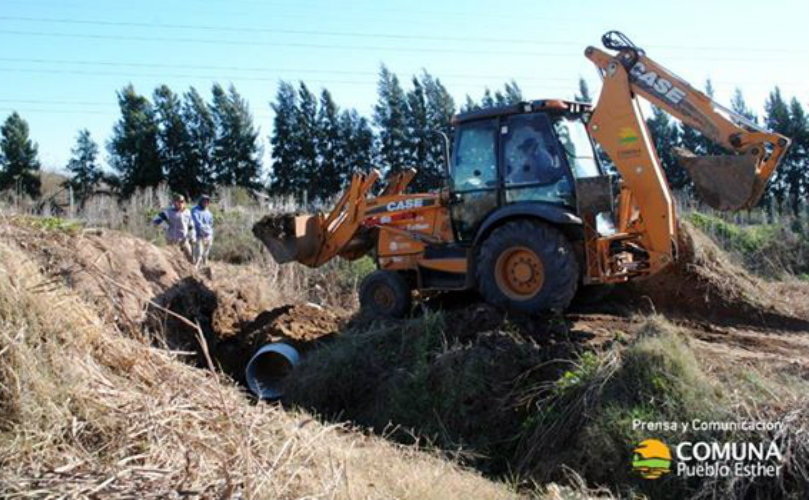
(797, 160)
(666, 134)
(390, 116)
(306, 138)
(331, 145)
(133, 149)
(174, 143)
(236, 150)
(739, 106)
(419, 134)
(18, 157)
(359, 140)
(201, 130)
(440, 109)
(584, 92)
(286, 176)
(83, 165)
(777, 119)
(511, 94)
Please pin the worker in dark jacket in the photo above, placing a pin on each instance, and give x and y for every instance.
(203, 226)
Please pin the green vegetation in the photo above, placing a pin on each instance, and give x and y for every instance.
(51, 223)
(515, 408)
(770, 250)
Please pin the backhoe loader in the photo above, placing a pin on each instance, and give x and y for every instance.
(528, 213)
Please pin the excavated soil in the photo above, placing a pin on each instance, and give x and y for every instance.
(705, 285)
(133, 282)
(130, 280)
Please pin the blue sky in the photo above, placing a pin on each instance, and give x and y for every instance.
(62, 61)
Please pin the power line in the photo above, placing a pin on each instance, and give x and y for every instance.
(71, 103)
(407, 49)
(255, 29)
(253, 43)
(392, 36)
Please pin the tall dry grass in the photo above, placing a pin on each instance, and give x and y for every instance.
(86, 413)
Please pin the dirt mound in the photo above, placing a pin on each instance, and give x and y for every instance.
(115, 271)
(295, 323)
(705, 284)
(131, 282)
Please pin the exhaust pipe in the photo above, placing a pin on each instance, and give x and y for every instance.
(268, 367)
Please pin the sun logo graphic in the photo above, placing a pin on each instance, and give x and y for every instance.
(651, 459)
(627, 135)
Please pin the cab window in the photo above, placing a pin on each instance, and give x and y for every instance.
(578, 149)
(475, 165)
(533, 168)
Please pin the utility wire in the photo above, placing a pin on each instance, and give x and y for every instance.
(372, 35)
(323, 46)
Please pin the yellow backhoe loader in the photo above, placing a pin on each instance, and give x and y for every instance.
(528, 213)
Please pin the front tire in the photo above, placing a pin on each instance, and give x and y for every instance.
(527, 266)
(385, 294)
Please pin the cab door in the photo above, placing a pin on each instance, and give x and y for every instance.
(475, 178)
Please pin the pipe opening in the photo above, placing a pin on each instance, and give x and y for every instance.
(268, 367)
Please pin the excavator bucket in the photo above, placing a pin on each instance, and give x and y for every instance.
(290, 237)
(724, 182)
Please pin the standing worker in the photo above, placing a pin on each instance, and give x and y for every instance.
(179, 226)
(203, 225)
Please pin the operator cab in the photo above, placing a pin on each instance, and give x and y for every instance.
(528, 153)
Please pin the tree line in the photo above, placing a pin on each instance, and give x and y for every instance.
(194, 144)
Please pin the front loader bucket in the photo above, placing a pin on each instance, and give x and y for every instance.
(290, 237)
(723, 182)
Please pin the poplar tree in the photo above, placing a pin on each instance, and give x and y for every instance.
(83, 166)
(236, 149)
(584, 92)
(201, 130)
(777, 119)
(286, 177)
(133, 148)
(331, 144)
(18, 157)
(390, 116)
(174, 144)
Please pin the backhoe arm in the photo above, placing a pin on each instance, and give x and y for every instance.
(724, 182)
(646, 209)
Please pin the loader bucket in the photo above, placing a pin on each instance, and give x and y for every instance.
(724, 182)
(290, 237)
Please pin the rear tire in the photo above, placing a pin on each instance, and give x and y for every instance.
(385, 294)
(527, 266)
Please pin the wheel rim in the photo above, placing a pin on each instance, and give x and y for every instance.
(384, 297)
(519, 273)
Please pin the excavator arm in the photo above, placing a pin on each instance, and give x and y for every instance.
(728, 182)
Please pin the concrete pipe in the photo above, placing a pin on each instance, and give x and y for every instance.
(267, 368)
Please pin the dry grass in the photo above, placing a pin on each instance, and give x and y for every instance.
(85, 412)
